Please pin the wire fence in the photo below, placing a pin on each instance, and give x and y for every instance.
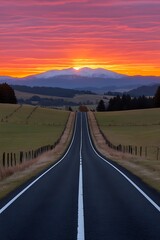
(151, 152)
(12, 159)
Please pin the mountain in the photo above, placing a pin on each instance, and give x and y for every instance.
(83, 72)
(99, 79)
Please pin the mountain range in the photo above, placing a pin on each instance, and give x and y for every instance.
(98, 80)
(83, 72)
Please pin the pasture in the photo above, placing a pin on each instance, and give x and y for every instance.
(83, 98)
(135, 127)
(25, 128)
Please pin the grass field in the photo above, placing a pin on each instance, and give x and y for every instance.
(84, 98)
(136, 127)
(23, 128)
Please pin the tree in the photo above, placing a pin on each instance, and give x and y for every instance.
(126, 102)
(70, 109)
(157, 97)
(115, 104)
(7, 94)
(101, 106)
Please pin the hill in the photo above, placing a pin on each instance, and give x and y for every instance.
(54, 97)
(144, 90)
(51, 91)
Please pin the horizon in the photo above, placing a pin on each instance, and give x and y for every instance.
(77, 69)
(118, 36)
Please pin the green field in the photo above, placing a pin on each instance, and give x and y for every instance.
(83, 98)
(29, 127)
(135, 127)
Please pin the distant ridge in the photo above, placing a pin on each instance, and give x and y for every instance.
(85, 79)
(144, 91)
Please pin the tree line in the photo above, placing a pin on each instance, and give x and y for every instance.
(125, 102)
(7, 94)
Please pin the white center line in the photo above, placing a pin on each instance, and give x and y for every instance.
(80, 230)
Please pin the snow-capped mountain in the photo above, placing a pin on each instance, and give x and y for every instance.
(83, 72)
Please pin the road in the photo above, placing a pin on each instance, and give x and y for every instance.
(83, 196)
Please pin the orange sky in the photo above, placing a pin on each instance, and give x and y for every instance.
(119, 35)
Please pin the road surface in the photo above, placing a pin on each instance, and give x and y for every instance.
(81, 197)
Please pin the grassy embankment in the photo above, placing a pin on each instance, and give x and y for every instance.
(136, 128)
(26, 129)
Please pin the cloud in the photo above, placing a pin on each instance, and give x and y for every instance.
(117, 32)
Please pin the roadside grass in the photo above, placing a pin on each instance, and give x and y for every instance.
(29, 128)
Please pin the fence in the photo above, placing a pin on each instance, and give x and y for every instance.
(5, 118)
(152, 152)
(13, 159)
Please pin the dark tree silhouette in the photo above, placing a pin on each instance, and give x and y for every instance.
(7, 94)
(157, 98)
(127, 103)
(101, 106)
(70, 109)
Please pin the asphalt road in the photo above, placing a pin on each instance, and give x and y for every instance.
(81, 197)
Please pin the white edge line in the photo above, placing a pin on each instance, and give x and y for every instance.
(32, 183)
(127, 178)
(80, 228)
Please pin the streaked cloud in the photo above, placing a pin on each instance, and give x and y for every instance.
(119, 35)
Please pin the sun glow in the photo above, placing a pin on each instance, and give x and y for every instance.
(77, 68)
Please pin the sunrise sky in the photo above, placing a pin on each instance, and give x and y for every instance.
(118, 35)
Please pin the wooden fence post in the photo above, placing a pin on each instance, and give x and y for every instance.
(32, 154)
(14, 159)
(11, 162)
(21, 157)
(131, 150)
(7, 159)
(4, 162)
(141, 151)
(29, 155)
